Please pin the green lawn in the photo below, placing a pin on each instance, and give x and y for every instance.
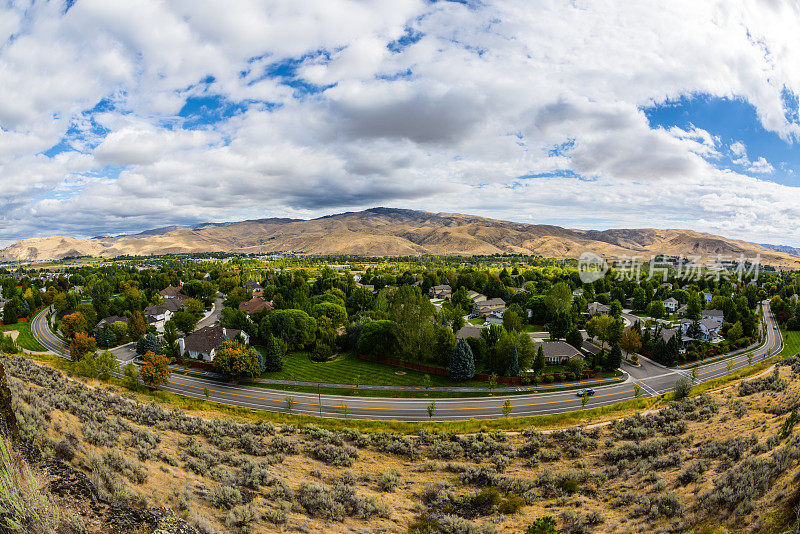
(791, 343)
(532, 328)
(347, 367)
(25, 338)
(477, 320)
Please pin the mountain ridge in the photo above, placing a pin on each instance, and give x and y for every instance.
(385, 231)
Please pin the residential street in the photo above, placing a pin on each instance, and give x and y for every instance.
(655, 379)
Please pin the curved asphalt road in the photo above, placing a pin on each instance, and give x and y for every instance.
(654, 378)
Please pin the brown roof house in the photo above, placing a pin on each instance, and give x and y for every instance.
(558, 352)
(157, 316)
(170, 292)
(202, 344)
(254, 305)
(490, 306)
(469, 330)
(443, 291)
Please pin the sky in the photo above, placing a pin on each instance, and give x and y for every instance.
(116, 117)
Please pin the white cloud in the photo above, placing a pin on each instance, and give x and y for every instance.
(449, 122)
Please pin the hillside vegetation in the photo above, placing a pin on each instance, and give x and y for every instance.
(397, 232)
(727, 458)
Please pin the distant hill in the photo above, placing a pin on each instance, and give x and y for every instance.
(786, 249)
(392, 232)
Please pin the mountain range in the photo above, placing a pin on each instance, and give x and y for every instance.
(398, 232)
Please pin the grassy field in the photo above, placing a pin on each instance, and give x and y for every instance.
(348, 369)
(25, 338)
(791, 343)
(477, 320)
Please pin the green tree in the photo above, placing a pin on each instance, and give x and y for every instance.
(130, 377)
(273, 358)
(414, 315)
(507, 408)
(639, 299)
(560, 325)
(558, 299)
(614, 359)
(148, 343)
(575, 338)
(656, 309)
(735, 332)
(431, 409)
(445, 342)
(235, 360)
(462, 362)
(513, 364)
(539, 362)
(694, 307)
(512, 322)
(379, 339)
(295, 327)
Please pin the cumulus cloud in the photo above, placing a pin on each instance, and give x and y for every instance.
(342, 104)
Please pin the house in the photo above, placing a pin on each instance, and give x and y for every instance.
(558, 352)
(475, 296)
(489, 306)
(682, 310)
(578, 292)
(591, 348)
(170, 292)
(202, 344)
(671, 305)
(254, 288)
(111, 319)
(157, 316)
(708, 296)
(469, 330)
(443, 291)
(495, 317)
(716, 315)
(598, 308)
(254, 305)
(174, 304)
(668, 333)
(709, 328)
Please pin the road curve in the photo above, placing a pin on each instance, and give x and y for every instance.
(654, 378)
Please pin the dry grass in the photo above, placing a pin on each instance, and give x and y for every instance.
(725, 432)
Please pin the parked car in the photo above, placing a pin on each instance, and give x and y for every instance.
(587, 391)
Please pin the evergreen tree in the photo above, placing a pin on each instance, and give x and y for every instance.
(148, 343)
(575, 338)
(273, 360)
(513, 364)
(539, 362)
(614, 358)
(462, 362)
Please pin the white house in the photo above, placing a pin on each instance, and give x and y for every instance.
(157, 316)
(671, 305)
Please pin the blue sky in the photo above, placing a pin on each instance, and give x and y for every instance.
(734, 120)
(119, 117)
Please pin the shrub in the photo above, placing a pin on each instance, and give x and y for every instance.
(225, 497)
(388, 481)
(683, 387)
(339, 456)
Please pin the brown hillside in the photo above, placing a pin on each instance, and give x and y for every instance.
(391, 232)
